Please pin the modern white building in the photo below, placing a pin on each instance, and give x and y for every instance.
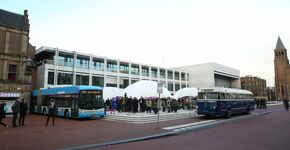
(211, 75)
(61, 67)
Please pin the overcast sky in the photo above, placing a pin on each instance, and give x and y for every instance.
(241, 34)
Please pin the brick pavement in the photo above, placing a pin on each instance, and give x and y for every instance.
(70, 132)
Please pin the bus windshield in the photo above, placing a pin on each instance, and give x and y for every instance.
(91, 100)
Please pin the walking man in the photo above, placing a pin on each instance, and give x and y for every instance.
(51, 111)
(23, 110)
(15, 110)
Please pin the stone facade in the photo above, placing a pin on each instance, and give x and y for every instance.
(282, 71)
(15, 50)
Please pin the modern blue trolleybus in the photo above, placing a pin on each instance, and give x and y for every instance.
(224, 102)
(72, 101)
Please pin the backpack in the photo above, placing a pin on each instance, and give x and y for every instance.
(5, 108)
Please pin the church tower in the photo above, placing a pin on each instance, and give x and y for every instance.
(282, 71)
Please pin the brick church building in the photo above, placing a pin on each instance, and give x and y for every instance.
(282, 71)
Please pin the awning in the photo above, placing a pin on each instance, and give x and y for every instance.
(9, 94)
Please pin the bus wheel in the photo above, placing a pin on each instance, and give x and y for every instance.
(228, 114)
(248, 110)
(66, 114)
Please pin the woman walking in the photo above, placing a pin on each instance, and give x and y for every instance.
(2, 113)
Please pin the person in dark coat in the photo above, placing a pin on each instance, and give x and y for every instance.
(286, 103)
(52, 108)
(23, 111)
(2, 113)
(15, 110)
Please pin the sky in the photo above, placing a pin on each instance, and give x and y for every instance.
(240, 34)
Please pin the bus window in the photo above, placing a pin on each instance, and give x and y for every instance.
(222, 95)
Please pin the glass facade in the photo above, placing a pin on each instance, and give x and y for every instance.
(98, 64)
(65, 60)
(82, 62)
(104, 72)
(82, 80)
(64, 78)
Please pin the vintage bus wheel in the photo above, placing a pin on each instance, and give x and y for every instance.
(228, 114)
(248, 110)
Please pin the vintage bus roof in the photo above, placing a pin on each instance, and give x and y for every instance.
(225, 90)
(65, 90)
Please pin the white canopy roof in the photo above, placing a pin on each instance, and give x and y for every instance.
(186, 92)
(145, 89)
(110, 92)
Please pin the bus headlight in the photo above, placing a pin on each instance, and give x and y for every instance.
(82, 112)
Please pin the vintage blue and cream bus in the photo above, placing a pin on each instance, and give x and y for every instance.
(72, 101)
(224, 102)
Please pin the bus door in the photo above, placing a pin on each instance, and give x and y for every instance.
(74, 107)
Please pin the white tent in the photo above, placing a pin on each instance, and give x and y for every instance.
(110, 92)
(186, 92)
(145, 89)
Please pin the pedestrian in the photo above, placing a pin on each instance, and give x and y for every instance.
(2, 113)
(52, 108)
(15, 110)
(286, 103)
(23, 110)
(113, 106)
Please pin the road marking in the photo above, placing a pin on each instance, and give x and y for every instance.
(188, 125)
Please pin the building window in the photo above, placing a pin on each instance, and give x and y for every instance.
(98, 81)
(176, 75)
(170, 86)
(124, 68)
(82, 80)
(50, 78)
(145, 71)
(154, 72)
(183, 76)
(82, 63)
(169, 74)
(135, 70)
(65, 60)
(12, 72)
(112, 66)
(98, 64)
(162, 74)
(177, 87)
(64, 78)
